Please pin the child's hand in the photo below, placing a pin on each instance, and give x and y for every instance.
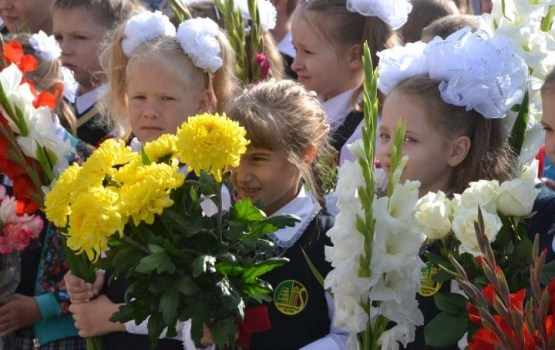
(16, 312)
(81, 292)
(93, 318)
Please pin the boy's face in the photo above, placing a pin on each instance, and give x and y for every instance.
(26, 15)
(79, 37)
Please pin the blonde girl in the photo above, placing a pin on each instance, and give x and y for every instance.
(329, 38)
(156, 80)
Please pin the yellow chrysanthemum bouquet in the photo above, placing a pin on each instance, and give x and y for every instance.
(138, 215)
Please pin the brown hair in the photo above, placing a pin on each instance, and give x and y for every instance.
(207, 8)
(423, 13)
(489, 157)
(48, 76)
(548, 86)
(107, 13)
(445, 26)
(282, 115)
(167, 49)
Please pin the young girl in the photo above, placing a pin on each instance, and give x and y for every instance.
(80, 27)
(26, 16)
(329, 39)
(453, 114)
(154, 86)
(287, 130)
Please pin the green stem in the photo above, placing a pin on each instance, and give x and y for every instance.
(547, 21)
(219, 215)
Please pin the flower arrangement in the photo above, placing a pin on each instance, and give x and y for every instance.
(508, 320)
(375, 257)
(449, 225)
(33, 145)
(146, 217)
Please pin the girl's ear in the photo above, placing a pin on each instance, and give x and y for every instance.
(309, 154)
(459, 150)
(354, 56)
(205, 101)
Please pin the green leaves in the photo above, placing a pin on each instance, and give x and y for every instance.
(450, 324)
(186, 265)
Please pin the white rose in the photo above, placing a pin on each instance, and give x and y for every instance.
(516, 197)
(433, 212)
(481, 193)
(463, 227)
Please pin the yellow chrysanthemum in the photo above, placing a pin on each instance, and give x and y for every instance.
(95, 217)
(57, 201)
(211, 142)
(103, 161)
(162, 147)
(145, 192)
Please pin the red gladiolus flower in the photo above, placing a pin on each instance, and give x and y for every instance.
(490, 293)
(13, 53)
(473, 314)
(483, 339)
(517, 301)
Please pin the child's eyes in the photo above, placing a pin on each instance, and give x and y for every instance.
(547, 129)
(138, 97)
(383, 136)
(58, 38)
(409, 139)
(168, 98)
(81, 37)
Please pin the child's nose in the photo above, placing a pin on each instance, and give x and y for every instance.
(297, 64)
(151, 110)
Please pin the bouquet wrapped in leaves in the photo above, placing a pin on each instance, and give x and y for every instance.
(143, 218)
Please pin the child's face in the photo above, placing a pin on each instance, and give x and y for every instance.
(79, 37)
(267, 176)
(430, 154)
(320, 66)
(548, 123)
(26, 15)
(158, 100)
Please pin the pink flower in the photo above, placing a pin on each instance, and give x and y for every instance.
(21, 232)
(263, 63)
(8, 210)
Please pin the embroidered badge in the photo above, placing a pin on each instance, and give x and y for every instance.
(290, 297)
(429, 285)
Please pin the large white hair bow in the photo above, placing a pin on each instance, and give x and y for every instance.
(392, 12)
(475, 70)
(144, 27)
(197, 37)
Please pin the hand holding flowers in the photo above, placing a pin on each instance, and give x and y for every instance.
(180, 264)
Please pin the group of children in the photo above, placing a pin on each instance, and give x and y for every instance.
(150, 81)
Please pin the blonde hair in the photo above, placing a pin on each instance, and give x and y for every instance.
(116, 66)
(48, 76)
(489, 157)
(282, 115)
(207, 8)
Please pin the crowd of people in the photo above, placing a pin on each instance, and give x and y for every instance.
(137, 86)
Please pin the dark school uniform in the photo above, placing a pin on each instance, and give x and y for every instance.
(298, 314)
